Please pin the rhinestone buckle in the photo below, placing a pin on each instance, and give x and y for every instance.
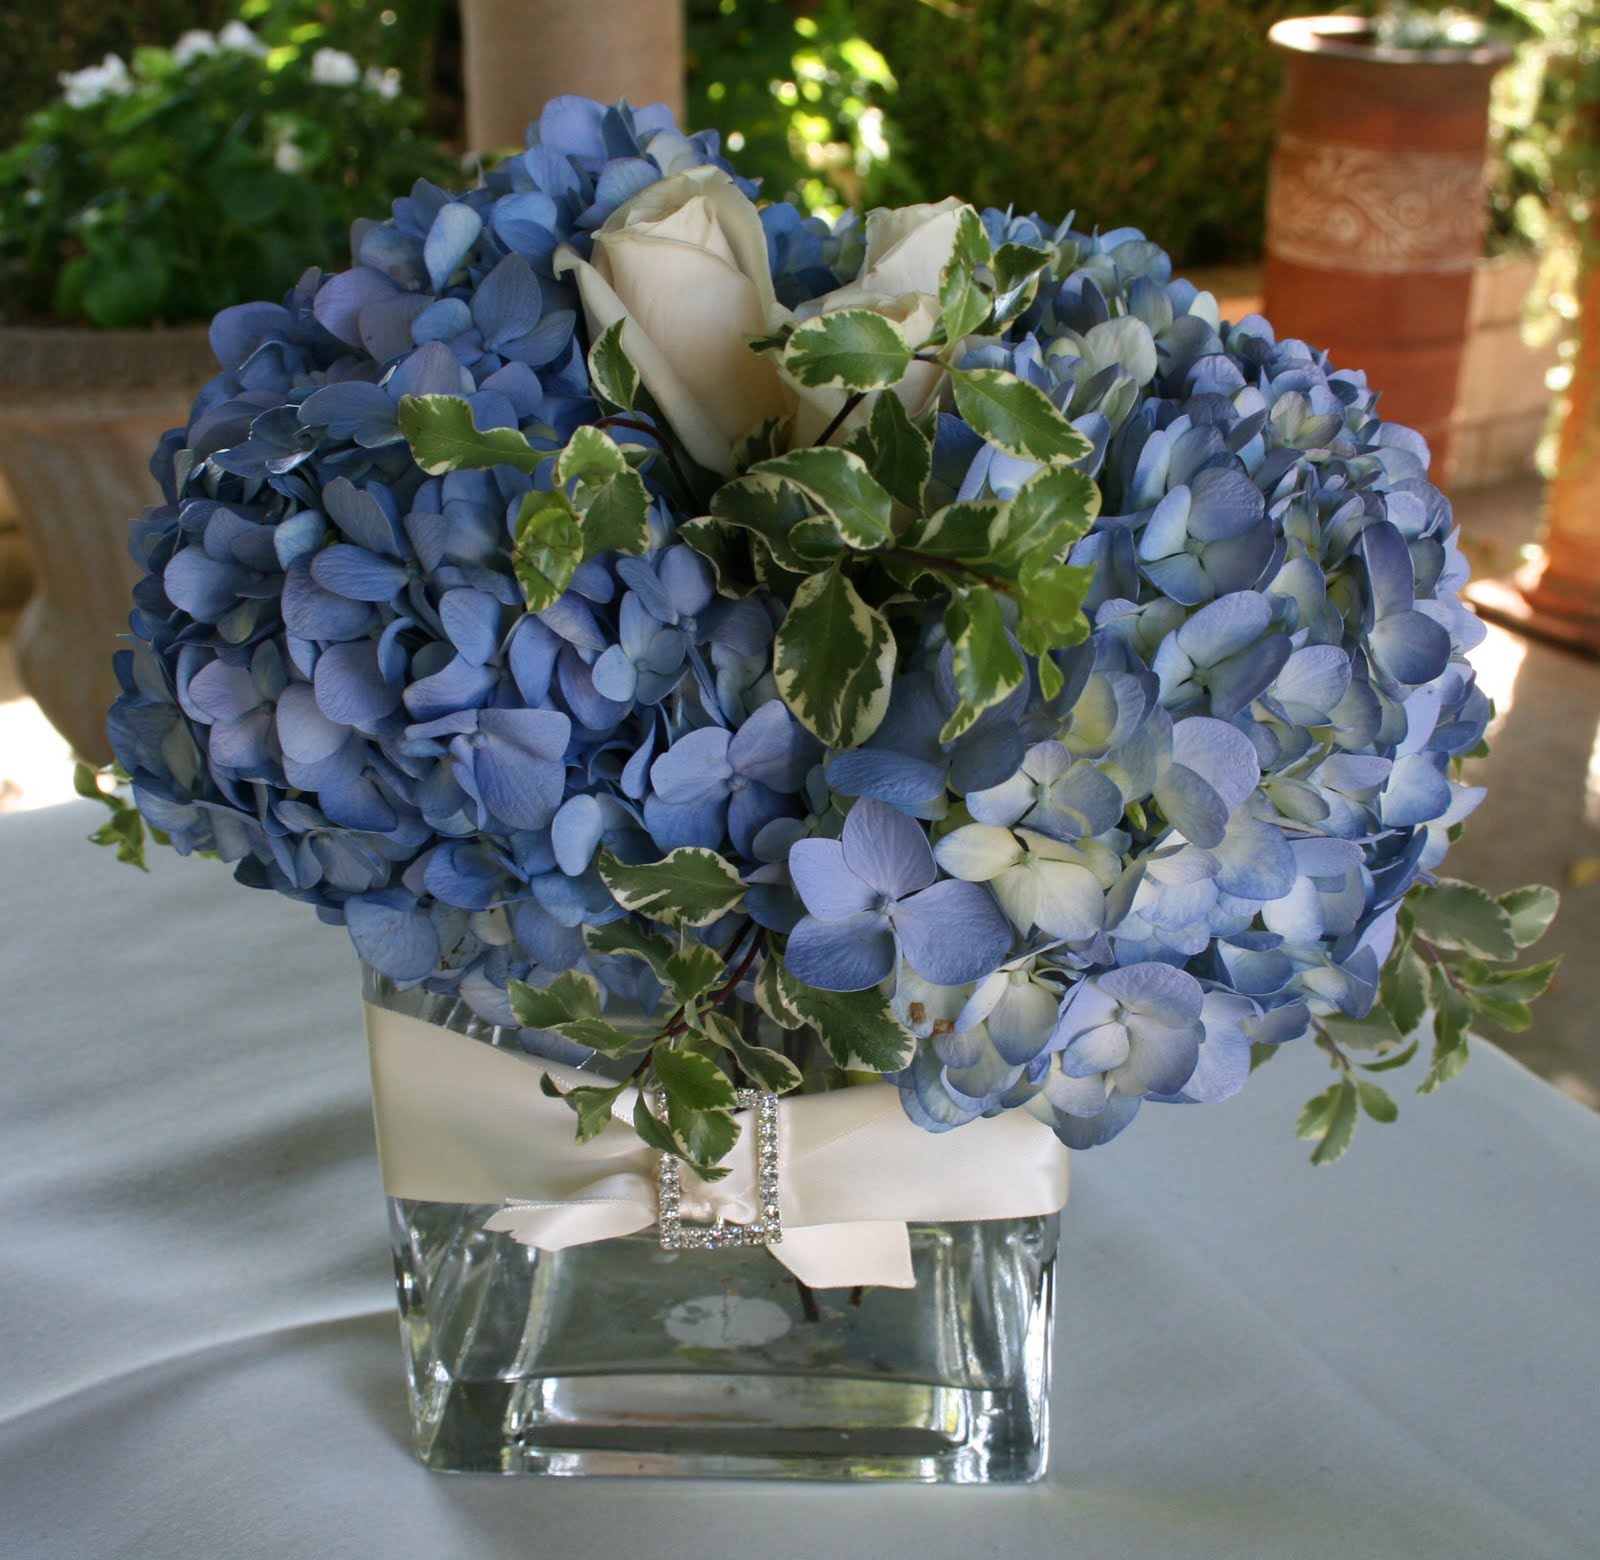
(766, 1231)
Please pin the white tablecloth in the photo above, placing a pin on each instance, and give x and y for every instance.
(198, 1356)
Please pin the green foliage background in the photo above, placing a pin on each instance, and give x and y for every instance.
(1151, 113)
(41, 38)
(1155, 113)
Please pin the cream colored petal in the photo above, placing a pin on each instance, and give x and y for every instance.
(908, 248)
(734, 213)
(699, 310)
(701, 435)
(888, 225)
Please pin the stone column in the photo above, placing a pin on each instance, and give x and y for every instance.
(517, 54)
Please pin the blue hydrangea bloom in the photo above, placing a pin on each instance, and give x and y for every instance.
(1079, 905)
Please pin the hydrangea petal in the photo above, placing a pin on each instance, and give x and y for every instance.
(896, 778)
(392, 935)
(886, 849)
(829, 889)
(978, 852)
(694, 769)
(852, 954)
(952, 932)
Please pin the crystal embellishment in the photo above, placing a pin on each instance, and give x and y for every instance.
(767, 1230)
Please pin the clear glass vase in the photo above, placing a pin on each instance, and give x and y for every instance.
(619, 1357)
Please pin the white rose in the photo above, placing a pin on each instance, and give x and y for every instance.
(907, 251)
(908, 248)
(684, 266)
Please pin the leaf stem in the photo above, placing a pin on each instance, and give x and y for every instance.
(1328, 1044)
(617, 420)
(678, 1022)
(852, 401)
(949, 566)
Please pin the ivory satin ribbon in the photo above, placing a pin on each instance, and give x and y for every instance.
(463, 1122)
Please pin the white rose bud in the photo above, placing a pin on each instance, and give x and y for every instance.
(684, 266)
(907, 251)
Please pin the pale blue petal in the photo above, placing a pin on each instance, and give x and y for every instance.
(508, 302)
(305, 733)
(392, 935)
(1223, 627)
(355, 573)
(694, 769)
(1002, 804)
(471, 619)
(1417, 791)
(830, 890)
(1220, 754)
(575, 833)
(351, 688)
(690, 823)
(615, 676)
(454, 231)
(772, 747)
(886, 849)
(896, 778)
(849, 955)
(952, 932)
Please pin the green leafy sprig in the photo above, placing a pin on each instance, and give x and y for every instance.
(1453, 966)
(691, 1059)
(124, 831)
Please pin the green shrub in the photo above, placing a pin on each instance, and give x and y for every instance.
(1154, 113)
(799, 97)
(191, 178)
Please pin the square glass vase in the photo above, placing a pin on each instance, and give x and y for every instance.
(622, 1357)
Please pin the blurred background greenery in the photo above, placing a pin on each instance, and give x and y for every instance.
(1154, 113)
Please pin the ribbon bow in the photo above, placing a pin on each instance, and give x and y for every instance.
(463, 1122)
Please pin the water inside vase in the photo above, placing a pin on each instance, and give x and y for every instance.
(619, 1357)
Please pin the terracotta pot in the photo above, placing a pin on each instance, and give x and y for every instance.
(517, 54)
(1562, 587)
(1375, 214)
(80, 413)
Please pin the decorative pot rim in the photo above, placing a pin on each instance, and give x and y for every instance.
(101, 364)
(1342, 37)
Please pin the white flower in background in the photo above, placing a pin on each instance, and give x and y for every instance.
(238, 39)
(334, 68)
(193, 45)
(386, 83)
(684, 265)
(286, 156)
(84, 88)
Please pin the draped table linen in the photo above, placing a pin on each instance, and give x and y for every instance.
(198, 1351)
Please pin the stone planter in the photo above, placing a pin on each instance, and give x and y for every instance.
(1375, 215)
(80, 413)
(16, 573)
